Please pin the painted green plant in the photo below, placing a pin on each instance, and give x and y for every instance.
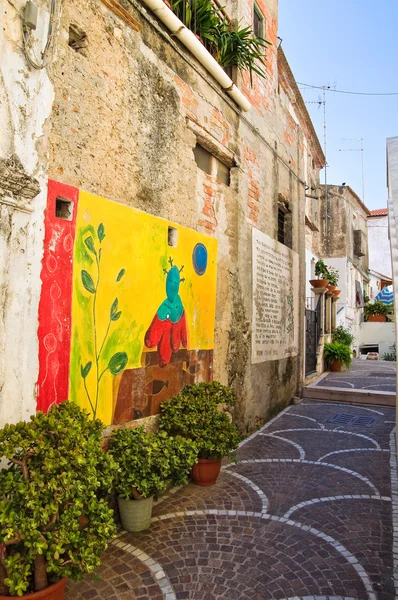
(118, 361)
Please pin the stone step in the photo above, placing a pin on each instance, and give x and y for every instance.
(334, 394)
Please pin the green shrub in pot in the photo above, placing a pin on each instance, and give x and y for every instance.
(55, 521)
(197, 413)
(342, 335)
(147, 463)
(337, 354)
(321, 270)
(376, 309)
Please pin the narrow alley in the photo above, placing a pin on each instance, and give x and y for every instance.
(306, 512)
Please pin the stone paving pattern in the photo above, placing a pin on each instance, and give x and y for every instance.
(372, 375)
(305, 513)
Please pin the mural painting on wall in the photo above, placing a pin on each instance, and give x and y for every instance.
(125, 319)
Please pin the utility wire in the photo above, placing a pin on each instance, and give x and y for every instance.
(329, 89)
(32, 61)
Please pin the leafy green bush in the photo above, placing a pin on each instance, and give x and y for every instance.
(342, 335)
(376, 308)
(196, 414)
(54, 517)
(337, 352)
(391, 356)
(147, 461)
(321, 270)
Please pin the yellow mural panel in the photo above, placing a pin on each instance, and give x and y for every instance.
(122, 263)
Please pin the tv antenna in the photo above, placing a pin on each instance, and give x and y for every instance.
(322, 102)
(360, 149)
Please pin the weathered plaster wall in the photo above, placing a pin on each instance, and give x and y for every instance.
(128, 110)
(381, 334)
(25, 106)
(346, 214)
(127, 133)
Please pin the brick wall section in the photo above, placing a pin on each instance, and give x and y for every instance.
(252, 164)
(207, 191)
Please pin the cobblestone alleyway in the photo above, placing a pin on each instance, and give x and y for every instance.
(305, 513)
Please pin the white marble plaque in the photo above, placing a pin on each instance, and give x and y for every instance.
(275, 299)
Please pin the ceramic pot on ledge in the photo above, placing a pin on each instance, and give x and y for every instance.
(319, 283)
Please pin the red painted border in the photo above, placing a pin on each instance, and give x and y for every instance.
(55, 307)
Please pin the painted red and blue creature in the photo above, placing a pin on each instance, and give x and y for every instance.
(168, 330)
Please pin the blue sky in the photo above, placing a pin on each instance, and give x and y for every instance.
(354, 45)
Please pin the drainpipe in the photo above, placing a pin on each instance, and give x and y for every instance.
(190, 41)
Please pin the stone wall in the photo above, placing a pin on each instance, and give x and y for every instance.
(130, 106)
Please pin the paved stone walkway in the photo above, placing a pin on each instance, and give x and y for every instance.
(371, 375)
(306, 513)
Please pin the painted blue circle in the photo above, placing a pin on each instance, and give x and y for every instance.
(199, 259)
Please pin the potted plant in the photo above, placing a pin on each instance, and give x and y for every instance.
(55, 521)
(337, 354)
(199, 413)
(333, 277)
(322, 273)
(146, 464)
(376, 312)
(342, 335)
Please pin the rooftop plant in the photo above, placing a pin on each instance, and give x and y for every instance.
(240, 48)
(230, 46)
(54, 517)
(197, 413)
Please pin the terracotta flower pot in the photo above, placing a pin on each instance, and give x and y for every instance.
(377, 318)
(336, 292)
(319, 283)
(335, 367)
(331, 288)
(55, 591)
(206, 471)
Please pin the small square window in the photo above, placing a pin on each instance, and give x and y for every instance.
(203, 158)
(64, 209)
(223, 173)
(258, 22)
(281, 226)
(285, 225)
(172, 236)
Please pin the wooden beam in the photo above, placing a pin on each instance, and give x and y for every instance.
(122, 13)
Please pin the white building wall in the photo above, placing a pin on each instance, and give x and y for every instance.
(378, 334)
(379, 245)
(26, 97)
(310, 260)
(349, 315)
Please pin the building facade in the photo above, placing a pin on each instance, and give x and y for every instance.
(153, 233)
(379, 244)
(345, 247)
